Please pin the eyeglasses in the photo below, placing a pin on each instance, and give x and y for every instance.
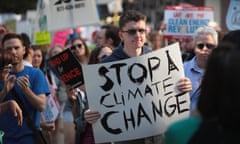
(134, 31)
(8, 67)
(74, 47)
(209, 46)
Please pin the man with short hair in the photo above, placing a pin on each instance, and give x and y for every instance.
(112, 37)
(108, 36)
(133, 35)
(100, 36)
(30, 86)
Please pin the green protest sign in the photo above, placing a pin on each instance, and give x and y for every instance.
(42, 38)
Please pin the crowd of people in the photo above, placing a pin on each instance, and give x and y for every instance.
(211, 76)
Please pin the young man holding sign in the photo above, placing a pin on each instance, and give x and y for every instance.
(132, 32)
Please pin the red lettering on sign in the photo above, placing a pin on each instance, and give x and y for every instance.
(64, 57)
(177, 14)
(55, 62)
(73, 73)
(189, 15)
(200, 15)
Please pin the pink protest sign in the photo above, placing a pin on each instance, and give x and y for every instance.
(59, 38)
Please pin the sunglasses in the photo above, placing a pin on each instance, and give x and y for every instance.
(134, 31)
(74, 47)
(9, 67)
(209, 46)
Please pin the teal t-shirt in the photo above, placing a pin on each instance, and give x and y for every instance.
(182, 131)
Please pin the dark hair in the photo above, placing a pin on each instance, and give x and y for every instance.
(106, 26)
(229, 97)
(43, 63)
(26, 43)
(210, 87)
(93, 59)
(9, 36)
(209, 132)
(218, 102)
(5, 58)
(233, 37)
(87, 51)
(208, 103)
(130, 15)
(112, 33)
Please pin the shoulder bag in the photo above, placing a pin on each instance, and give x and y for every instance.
(39, 138)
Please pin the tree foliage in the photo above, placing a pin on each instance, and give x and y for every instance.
(17, 6)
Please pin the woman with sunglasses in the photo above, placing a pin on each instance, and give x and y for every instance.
(64, 123)
(205, 40)
(6, 84)
(80, 50)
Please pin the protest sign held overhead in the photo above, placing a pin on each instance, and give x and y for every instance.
(59, 38)
(42, 38)
(137, 97)
(54, 15)
(182, 21)
(67, 68)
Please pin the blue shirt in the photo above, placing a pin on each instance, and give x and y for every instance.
(195, 74)
(8, 123)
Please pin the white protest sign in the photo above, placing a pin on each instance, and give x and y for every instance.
(184, 20)
(233, 15)
(52, 109)
(137, 97)
(54, 15)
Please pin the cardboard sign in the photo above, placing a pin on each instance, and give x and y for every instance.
(52, 109)
(54, 15)
(137, 97)
(67, 68)
(182, 21)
